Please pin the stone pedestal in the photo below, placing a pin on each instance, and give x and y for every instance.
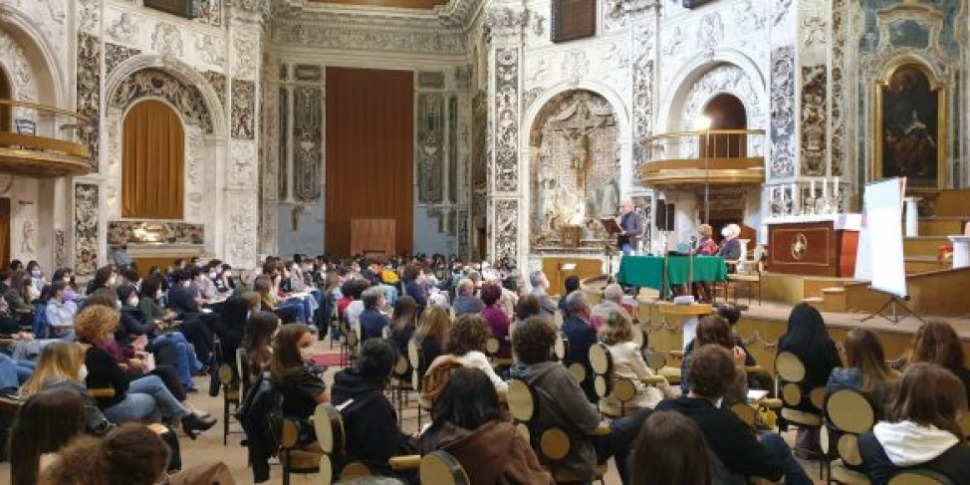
(961, 251)
(912, 216)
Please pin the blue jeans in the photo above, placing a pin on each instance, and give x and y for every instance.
(775, 445)
(186, 363)
(298, 308)
(9, 373)
(147, 399)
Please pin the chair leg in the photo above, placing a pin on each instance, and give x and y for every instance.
(225, 419)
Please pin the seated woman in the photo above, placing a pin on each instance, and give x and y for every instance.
(865, 369)
(47, 422)
(921, 430)
(628, 363)
(731, 314)
(670, 449)
(467, 422)
(713, 329)
(301, 389)
(132, 454)
(431, 333)
(807, 338)
(466, 347)
(60, 310)
(18, 297)
(261, 329)
(372, 321)
(61, 367)
(404, 324)
(370, 422)
(143, 399)
(497, 320)
(938, 343)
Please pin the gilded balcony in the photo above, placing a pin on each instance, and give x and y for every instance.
(704, 157)
(42, 141)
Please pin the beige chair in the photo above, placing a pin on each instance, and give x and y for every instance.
(606, 384)
(418, 367)
(441, 468)
(554, 446)
(331, 463)
(231, 397)
(848, 414)
(293, 458)
(920, 477)
(492, 346)
(522, 407)
(400, 386)
(791, 377)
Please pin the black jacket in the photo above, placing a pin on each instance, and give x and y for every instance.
(370, 422)
(728, 437)
(180, 301)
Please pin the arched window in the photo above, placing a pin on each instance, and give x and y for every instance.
(153, 162)
(726, 112)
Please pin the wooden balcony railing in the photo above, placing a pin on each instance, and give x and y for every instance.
(41, 141)
(706, 156)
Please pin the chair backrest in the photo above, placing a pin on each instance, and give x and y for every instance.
(560, 348)
(492, 345)
(523, 406)
(554, 444)
(602, 363)
(442, 468)
(656, 360)
(789, 367)
(329, 427)
(920, 477)
(242, 369)
(850, 413)
(386, 332)
(416, 359)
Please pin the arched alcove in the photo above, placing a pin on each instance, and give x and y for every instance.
(153, 162)
(574, 166)
(725, 112)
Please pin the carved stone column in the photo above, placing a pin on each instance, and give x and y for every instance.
(503, 30)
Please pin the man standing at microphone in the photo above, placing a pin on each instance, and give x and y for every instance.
(628, 241)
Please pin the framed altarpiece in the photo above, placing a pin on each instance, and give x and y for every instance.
(910, 126)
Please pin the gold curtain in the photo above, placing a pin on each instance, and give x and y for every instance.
(153, 153)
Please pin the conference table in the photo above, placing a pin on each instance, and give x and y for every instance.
(648, 271)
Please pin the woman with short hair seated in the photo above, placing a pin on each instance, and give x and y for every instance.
(628, 363)
(370, 422)
(466, 348)
(711, 370)
(143, 399)
(865, 369)
(467, 422)
(562, 404)
(920, 431)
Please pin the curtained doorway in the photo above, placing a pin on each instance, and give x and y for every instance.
(370, 153)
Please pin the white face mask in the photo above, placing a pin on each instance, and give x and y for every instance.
(158, 294)
(83, 373)
(118, 304)
(133, 301)
(111, 281)
(213, 275)
(306, 354)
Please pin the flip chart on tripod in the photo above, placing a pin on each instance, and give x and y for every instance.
(879, 257)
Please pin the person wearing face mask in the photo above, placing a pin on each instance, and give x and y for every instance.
(104, 277)
(60, 310)
(302, 390)
(37, 279)
(61, 366)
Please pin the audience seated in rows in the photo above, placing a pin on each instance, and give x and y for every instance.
(465, 347)
(628, 363)
(370, 421)
(712, 368)
(920, 430)
(865, 369)
(468, 423)
(564, 405)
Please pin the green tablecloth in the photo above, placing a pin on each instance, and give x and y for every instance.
(647, 271)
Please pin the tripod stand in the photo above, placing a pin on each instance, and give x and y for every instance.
(894, 304)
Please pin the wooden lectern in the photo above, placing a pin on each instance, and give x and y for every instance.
(823, 245)
(373, 237)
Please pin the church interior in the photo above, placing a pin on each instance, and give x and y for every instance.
(242, 182)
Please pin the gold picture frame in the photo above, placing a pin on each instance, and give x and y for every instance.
(907, 131)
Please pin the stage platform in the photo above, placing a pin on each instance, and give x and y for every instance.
(762, 324)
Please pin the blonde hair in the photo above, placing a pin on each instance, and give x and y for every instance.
(58, 360)
(434, 323)
(618, 329)
(94, 322)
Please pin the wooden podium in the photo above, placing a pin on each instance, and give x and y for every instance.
(823, 245)
(373, 237)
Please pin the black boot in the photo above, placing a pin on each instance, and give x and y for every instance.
(193, 423)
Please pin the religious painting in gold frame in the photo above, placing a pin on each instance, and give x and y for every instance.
(910, 126)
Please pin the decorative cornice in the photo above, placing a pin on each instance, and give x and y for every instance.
(507, 22)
